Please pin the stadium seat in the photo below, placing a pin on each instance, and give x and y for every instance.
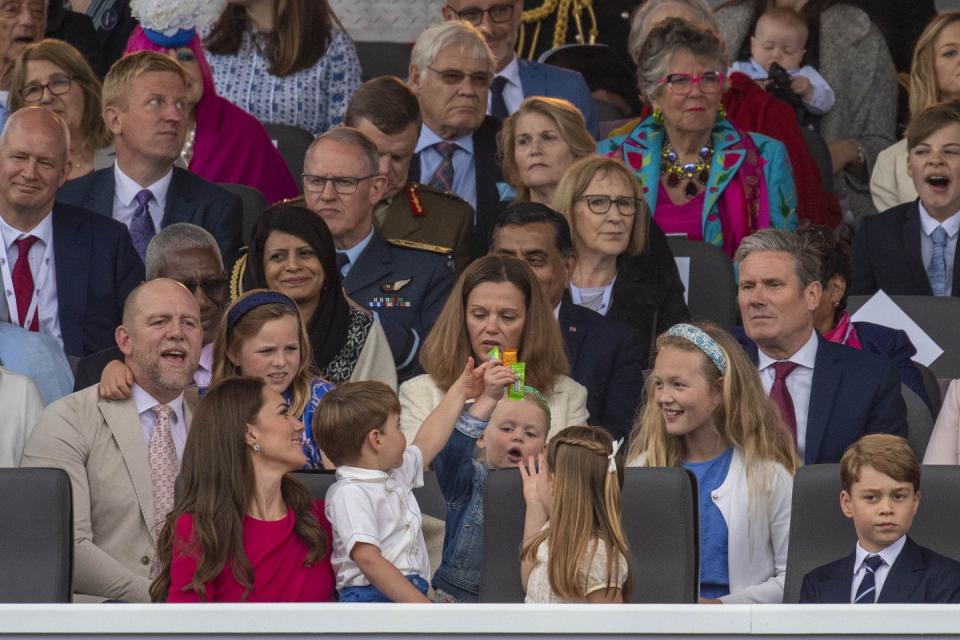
(383, 59)
(919, 421)
(712, 294)
(428, 496)
(292, 143)
(254, 204)
(659, 517)
(36, 536)
(819, 532)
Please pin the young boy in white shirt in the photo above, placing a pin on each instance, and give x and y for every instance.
(379, 554)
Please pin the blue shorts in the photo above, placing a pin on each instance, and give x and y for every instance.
(370, 593)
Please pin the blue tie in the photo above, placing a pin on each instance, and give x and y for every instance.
(937, 269)
(141, 226)
(867, 591)
(498, 105)
(342, 261)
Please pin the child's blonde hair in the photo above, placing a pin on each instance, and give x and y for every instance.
(745, 417)
(586, 508)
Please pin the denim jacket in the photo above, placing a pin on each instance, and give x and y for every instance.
(461, 481)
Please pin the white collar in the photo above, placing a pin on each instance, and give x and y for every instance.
(145, 402)
(127, 188)
(806, 356)
(206, 357)
(428, 138)
(888, 553)
(512, 72)
(361, 473)
(43, 232)
(951, 225)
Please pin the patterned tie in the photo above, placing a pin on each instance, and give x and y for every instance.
(937, 269)
(164, 465)
(867, 591)
(23, 287)
(498, 105)
(442, 179)
(141, 226)
(781, 395)
(342, 260)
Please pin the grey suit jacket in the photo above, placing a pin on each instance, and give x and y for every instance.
(100, 444)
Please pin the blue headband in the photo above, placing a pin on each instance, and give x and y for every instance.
(181, 38)
(703, 341)
(243, 306)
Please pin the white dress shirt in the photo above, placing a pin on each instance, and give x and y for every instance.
(799, 383)
(929, 224)
(889, 555)
(43, 267)
(512, 91)
(124, 197)
(178, 423)
(464, 163)
(378, 508)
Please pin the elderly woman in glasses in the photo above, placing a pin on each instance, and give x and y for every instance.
(700, 175)
(224, 143)
(54, 75)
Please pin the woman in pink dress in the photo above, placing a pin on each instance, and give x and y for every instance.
(242, 529)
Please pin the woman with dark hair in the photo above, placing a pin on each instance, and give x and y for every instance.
(833, 321)
(242, 529)
(224, 143)
(284, 61)
(291, 251)
(54, 75)
(851, 54)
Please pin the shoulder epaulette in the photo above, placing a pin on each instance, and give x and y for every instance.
(422, 188)
(420, 246)
(236, 277)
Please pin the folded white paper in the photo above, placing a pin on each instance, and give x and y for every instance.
(881, 309)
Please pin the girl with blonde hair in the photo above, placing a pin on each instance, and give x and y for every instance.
(706, 410)
(574, 548)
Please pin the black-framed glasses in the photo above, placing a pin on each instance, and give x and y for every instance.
(344, 185)
(213, 288)
(627, 207)
(453, 77)
(473, 15)
(682, 83)
(58, 85)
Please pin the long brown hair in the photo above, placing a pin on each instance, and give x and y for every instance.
(541, 343)
(585, 513)
(216, 486)
(300, 36)
(231, 337)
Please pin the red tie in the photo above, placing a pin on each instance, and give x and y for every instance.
(23, 282)
(781, 395)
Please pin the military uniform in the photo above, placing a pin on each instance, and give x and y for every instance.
(406, 286)
(424, 215)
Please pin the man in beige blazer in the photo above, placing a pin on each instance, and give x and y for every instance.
(105, 446)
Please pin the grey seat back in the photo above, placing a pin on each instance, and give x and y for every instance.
(36, 536)
(820, 533)
(712, 294)
(659, 517)
(292, 143)
(254, 204)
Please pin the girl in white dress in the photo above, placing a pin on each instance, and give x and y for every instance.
(574, 548)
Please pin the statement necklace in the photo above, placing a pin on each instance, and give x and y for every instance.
(675, 170)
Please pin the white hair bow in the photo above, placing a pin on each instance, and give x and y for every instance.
(612, 467)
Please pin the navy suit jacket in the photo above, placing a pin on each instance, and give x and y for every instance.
(607, 358)
(97, 267)
(894, 345)
(370, 282)
(886, 255)
(918, 575)
(190, 198)
(538, 79)
(488, 175)
(854, 393)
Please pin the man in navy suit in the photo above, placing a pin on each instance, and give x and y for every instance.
(144, 106)
(76, 268)
(516, 79)
(881, 493)
(404, 283)
(605, 356)
(829, 394)
(451, 67)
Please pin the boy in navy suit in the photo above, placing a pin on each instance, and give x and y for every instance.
(881, 492)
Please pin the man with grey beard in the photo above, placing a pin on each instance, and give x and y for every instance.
(123, 456)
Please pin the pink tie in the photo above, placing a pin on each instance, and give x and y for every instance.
(781, 395)
(164, 465)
